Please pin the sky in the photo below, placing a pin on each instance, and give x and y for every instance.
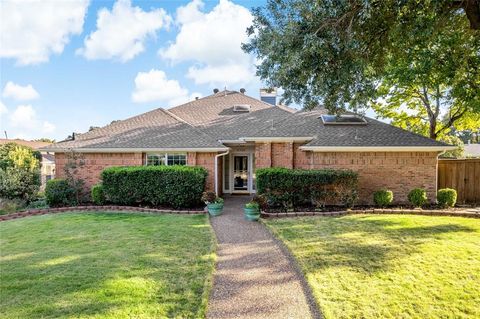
(67, 65)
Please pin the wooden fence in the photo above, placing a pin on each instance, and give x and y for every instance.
(462, 175)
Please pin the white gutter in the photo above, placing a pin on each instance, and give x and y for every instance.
(133, 150)
(377, 148)
(232, 141)
(216, 169)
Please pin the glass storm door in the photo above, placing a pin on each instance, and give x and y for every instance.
(240, 172)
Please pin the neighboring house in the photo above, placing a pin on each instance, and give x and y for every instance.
(472, 150)
(232, 135)
(48, 160)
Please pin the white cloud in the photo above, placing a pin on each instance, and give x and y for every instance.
(213, 40)
(155, 86)
(33, 30)
(20, 93)
(121, 33)
(25, 120)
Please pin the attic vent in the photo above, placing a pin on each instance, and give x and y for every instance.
(241, 108)
(343, 119)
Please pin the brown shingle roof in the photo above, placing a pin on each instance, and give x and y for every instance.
(202, 123)
(32, 144)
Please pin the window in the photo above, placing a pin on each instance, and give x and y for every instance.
(343, 119)
(176, 159)
(166, 159)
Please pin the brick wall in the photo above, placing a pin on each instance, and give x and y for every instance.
(207, 160)
(397, 171)
(95, 163)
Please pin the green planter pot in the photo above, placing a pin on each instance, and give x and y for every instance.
(215, 209)
(251, 214)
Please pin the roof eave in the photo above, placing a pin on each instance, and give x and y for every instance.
(438, 148)
(136, 150)
(278, 139)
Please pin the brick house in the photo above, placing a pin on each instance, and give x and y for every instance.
(232, 134)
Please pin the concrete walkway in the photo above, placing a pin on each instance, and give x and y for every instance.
(255, 276)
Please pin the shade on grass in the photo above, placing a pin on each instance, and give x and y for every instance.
(105, 266)
(389, 266)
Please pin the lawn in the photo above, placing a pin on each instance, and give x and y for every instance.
(105, 265)
(388, 266)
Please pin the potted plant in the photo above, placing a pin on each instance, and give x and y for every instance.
(252, 211)
(213, 202)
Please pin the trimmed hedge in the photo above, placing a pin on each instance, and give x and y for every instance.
(418, 197)
(383, 197)
(98, 196)
(172, 186)
(59, 193)
(447, 197)
(299, 187)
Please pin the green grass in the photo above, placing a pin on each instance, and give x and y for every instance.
(100, 265)
(389, 266)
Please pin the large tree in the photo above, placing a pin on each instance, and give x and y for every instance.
(345, 54)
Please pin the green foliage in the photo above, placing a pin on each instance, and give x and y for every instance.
(447, 197)
(19, 172)
(8, 206)
(383, 197)
(211, 198)
(336, 53)
(252, 205)
(296, 187)
(98, 195)
(38, 203)
(453, 140)
(418, 197)
(174, 186)
(59, 192)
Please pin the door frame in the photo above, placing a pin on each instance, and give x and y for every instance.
(250, 188)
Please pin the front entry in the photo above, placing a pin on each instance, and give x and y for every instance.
(240, 173)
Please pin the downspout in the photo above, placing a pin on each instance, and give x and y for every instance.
(216, 169)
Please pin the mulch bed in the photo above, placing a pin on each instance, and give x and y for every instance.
(43, 211)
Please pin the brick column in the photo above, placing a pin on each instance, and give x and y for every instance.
(191, 159)
(263, 155)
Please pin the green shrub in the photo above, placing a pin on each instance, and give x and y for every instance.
(8, 206)
(297, 187)
(173, 186)
(59, 193)
(98, 195)
(252, 205)
(39, 203)
(383, 197)
(447, 197)
(418, 197)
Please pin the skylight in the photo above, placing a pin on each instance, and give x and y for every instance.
(344, 119)
(241, 108)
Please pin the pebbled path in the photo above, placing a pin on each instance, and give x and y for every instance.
(255, 275)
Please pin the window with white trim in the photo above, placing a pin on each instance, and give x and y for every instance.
(166, 159)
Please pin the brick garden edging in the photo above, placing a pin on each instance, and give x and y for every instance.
(375, 211)
(43, 211)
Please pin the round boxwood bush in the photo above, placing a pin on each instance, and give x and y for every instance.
(59, 193)
(447, 197)
(383, 197)
(98, 195)
(418, 197)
